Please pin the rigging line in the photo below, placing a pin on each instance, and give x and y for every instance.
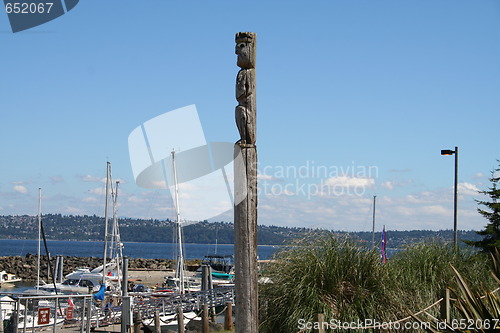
(38, 244)
(152, 201)
(106, 218)
(98, 206)
(48, 255)
(368, 220)
(115, 233)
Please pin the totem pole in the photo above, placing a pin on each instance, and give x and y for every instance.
(245, 210)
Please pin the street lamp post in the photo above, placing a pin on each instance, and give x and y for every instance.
(454, 152)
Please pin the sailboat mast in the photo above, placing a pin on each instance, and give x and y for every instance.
(39, 228)
(116, 244)
(180, 262)
(373, 226)
(112, 241)
(106, 217)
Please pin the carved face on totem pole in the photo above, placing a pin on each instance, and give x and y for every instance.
(245, 87)
(245, 49)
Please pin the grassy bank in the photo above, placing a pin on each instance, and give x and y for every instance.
(348, 283)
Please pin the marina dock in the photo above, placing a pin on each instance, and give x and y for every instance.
(82, 313)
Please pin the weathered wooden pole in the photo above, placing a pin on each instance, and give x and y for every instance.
(157, 322)
(137, 322)
(245, 184)
(206, 284)
(180, 320)
(1, 318)
(445, 306)
(228, 316)
(126, 300)
(205, 328)
(206, 271)
(320, 319)
(89, 313)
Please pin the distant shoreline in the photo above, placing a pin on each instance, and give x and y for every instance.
(127, 242)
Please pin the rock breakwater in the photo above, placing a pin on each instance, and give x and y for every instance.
(26, 267)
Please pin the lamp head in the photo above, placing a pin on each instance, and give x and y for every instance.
(447, 152)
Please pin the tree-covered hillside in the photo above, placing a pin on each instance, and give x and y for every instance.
(70, 227)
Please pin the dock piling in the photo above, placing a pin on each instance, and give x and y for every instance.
(157, 322)
(137, 322)
(205, 327)
(126, 302)
(180, 319)
(228, 316)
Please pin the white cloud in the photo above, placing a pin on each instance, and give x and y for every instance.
(431, 209)
(443, 195)
(436, 210)
(136, 199)
(467, 189)
(98, 191)
(405, 211)
(265, 177)
(95, 179)
(344, 181)
(56, 179)
(396, 183)
(159, 184)
(389, 185)
(73, 210)
(20, 189)
(92, 179)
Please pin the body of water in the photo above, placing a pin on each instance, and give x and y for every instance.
(12, 247)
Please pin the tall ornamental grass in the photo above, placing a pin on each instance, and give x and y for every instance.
(420, 273)
(323, 275)
(347, 282)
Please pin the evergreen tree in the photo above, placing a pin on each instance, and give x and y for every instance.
(491, 233)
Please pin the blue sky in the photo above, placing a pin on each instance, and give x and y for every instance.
(379, 86)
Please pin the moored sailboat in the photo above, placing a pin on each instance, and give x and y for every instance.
(107, 276)
(178, 283)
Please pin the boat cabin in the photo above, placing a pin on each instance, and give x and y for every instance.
(219, 263)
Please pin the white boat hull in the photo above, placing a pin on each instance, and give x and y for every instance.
(169, 322)
(7, 278)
